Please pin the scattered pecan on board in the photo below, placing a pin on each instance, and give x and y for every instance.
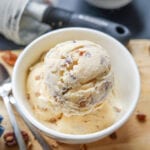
(10, 139)
(9, 57)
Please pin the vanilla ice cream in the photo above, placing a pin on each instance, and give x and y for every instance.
(70, 88)
(78, 76)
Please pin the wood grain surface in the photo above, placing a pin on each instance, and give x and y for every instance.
(133, 135)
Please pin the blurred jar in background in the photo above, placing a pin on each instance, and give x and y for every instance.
(109, 4)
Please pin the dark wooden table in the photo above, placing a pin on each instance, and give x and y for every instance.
(136, 16)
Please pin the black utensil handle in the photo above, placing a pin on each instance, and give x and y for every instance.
(116, 30)
(57, 18)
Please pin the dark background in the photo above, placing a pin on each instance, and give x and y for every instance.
(136, 16)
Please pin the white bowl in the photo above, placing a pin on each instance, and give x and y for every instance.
(124, 68)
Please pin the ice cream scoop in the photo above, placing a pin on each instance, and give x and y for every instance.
(78, 76)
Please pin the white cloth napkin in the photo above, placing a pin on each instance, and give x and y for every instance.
(18, 26)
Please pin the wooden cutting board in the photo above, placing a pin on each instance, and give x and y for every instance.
(133, 135)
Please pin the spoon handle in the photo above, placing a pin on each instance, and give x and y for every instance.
(14, 124)
(34, 131)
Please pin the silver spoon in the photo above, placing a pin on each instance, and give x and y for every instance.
(10, 98)
(36, 134)
(5, 90)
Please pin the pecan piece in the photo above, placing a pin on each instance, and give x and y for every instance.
(82, 103)
(141, 117)
(65, 90)
(25, 136)
(113, 135)
(9, 57)
(10, 139)
(53, 120)
(81, 53)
